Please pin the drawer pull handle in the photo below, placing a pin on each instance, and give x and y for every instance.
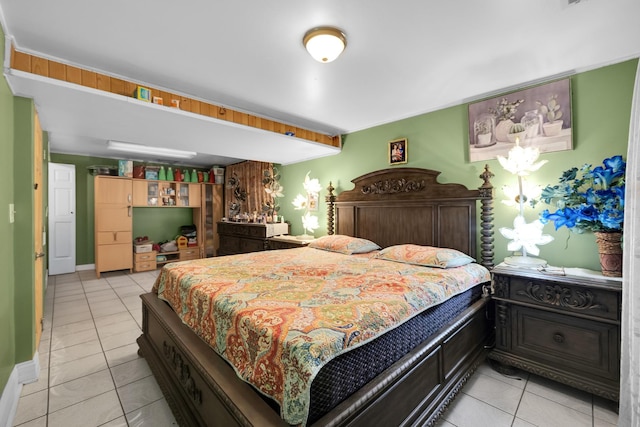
(559, 338)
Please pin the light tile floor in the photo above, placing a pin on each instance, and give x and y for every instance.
(91, 374)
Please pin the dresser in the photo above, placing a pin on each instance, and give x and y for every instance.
(240, 238)
(566, 328)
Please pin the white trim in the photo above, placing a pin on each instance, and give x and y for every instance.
(29, 371)
(9, 399)
(85, 267)
(23, 373)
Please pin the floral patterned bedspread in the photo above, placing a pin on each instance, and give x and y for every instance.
(278, 316)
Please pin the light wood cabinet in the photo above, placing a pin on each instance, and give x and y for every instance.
(166, 193)
(114, 200)
(211, 212)
(113, 203)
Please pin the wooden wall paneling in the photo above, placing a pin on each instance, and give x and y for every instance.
(130, 89)
(185, 103)
(251, 120)
(103, 82)
(117, 86)
(20, 61)
(40, 66)
(240, 118)
(205, 109)
(57, 71)
(195, 106)
(89, 79)
(74, 75)
(301, 133)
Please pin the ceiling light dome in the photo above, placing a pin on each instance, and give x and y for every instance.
(324, 44)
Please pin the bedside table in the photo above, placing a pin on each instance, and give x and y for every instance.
(286, 242)
(565, 328)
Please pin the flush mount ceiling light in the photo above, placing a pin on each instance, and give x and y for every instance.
(153, 151)
(324, 44)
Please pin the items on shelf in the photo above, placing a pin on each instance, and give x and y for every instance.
(190, 232)
(125, 168)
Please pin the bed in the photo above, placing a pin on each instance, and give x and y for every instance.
(390, 207)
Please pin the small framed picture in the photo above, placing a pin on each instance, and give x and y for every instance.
(143, 94)
(397, 151)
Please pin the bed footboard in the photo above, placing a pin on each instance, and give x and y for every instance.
(203, 390)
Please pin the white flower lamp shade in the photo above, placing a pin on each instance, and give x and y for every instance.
(523, 237)
(301, 202)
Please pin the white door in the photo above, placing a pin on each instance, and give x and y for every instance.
(62, 218)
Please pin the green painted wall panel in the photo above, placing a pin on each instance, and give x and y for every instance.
(601, 101)
(7, 279)
(24, 249)
(160, 224)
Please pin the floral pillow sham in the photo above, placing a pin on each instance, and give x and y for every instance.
(427, 256)
(344, 244)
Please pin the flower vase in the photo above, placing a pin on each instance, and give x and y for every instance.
(610, 249)
(502, 130)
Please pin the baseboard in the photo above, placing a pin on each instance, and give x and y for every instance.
(29, 371)
(23, 373)
(85, 267)
(9, 399)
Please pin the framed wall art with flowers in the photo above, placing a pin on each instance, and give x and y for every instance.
(536, 117)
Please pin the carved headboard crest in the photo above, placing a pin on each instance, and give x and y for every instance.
(391, 186)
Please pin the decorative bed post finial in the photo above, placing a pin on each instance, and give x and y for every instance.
(330, 199)
(486, 218)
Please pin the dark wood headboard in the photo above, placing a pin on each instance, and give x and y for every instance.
(408, 205)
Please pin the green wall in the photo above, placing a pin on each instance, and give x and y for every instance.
(24, 248)
(7, 276)
(17, 309)
(601, 104)
(160, 224)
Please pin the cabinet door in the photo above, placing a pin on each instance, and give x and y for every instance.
(194, 195)
(113, 218)
(189, 195)
(140, 193)
(113, 190)
(211, 214)
(114, 257)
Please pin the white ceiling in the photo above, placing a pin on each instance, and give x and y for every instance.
(403, 58)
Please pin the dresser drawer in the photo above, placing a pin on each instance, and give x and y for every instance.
(577, 345)
(113, 237)
(574, 298)
(190, 253)
(145, 265)
(144, 257)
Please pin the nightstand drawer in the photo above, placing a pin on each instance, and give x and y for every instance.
(572, 344)
(591, 301)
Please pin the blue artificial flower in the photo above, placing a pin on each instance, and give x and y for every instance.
(588, 198)
(562, 217)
